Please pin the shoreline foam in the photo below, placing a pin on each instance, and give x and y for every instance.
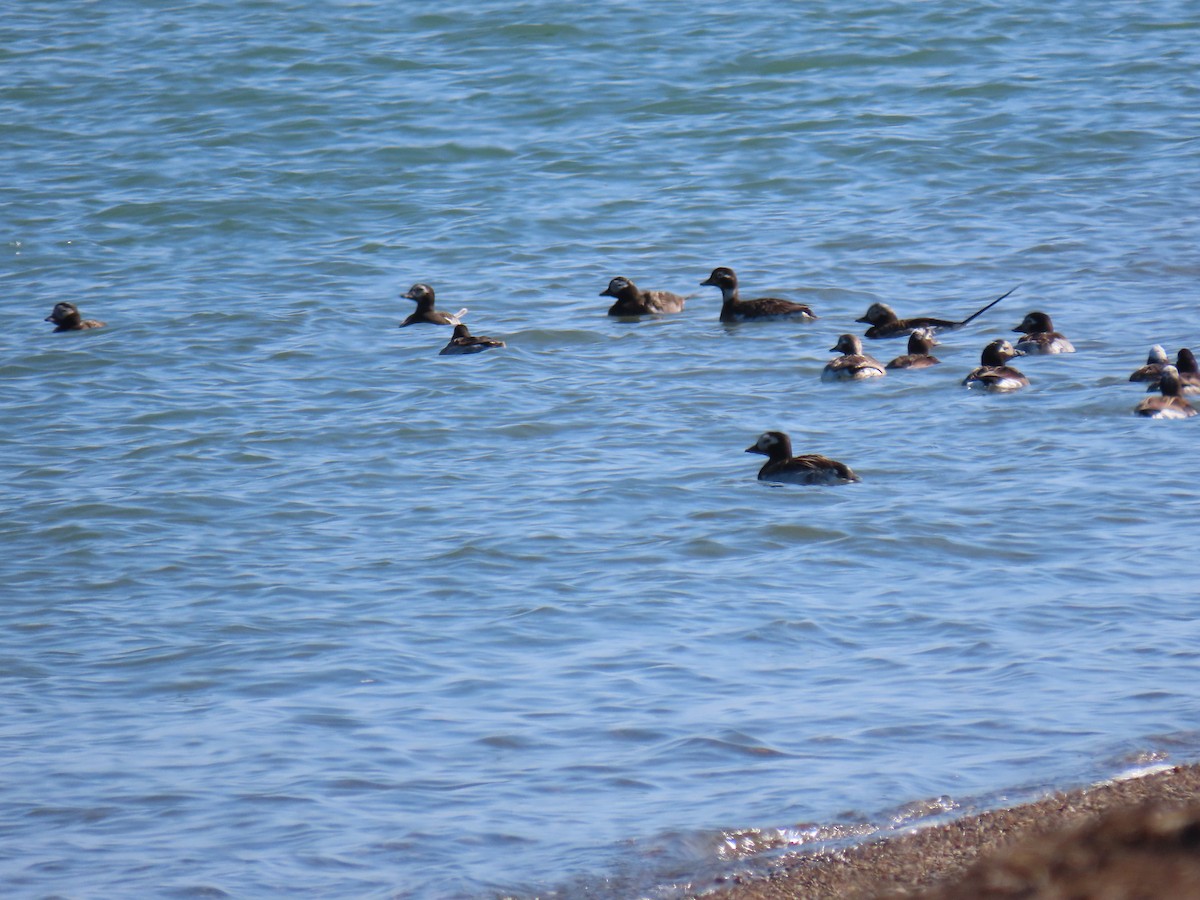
(1128, 837)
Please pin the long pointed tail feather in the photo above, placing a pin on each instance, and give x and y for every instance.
(979, 312)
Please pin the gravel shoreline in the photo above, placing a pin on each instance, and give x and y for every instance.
(1137, 837)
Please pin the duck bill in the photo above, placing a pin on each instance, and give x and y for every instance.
(754, 449)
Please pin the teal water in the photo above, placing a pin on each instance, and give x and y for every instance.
(291, 604)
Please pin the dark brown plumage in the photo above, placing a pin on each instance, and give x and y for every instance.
(66, 317)
(886, 324)
(634, 302)
(463, 342)
(425, 314)
(1156, 361)
(920, 342)
(1170, 404)
(811, 468)
(853, 364)
(734, 309)
(1039, 337)
(993, 374)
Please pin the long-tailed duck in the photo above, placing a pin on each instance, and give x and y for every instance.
(920, 342)
(853, 364)
(1189, 371)
(1170, 404)
(464, 342)
(734, 309)
(993, 374)
(634, 302)
(425, 314)
(808, 469)
(1155, 363)
(886, 324)
(1038, 336)
(66, 317)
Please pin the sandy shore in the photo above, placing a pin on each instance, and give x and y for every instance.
(1136, 838)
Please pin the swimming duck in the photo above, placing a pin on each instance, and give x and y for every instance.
(634, 302)
(808, 469)
(993, 374)
(66, 317)
(463, 342)
(1038, 336)
(853, 364)
(1155, 363)
(425, 313)
(734, 309)
(886, 324)
(1170, 404)
(1189, 371)
(920, 342)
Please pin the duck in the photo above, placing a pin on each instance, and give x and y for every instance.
(993, 374)
(1038, 336)
(853, 364)
(1170, 404)
(811, 468)
(886, 324)
(1156, 361)
(734, 309)
(634, 302)
(462, 342)
(1187, 370)
(920, 342)
(425, 313)
(66, 317)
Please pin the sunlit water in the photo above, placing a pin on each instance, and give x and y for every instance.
(293, 605)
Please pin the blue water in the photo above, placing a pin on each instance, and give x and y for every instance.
(293, 605)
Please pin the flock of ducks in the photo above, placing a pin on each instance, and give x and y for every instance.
(1036, 330)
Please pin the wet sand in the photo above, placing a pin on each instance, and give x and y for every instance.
(1135, 838)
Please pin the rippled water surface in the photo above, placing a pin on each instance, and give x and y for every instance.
(293, 605)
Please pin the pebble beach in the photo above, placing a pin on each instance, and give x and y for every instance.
(1136, 837)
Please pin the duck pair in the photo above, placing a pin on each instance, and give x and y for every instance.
(855, 365)
(1037, 337)
(631, 301)
(462, 342)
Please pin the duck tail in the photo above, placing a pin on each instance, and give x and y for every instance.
(979, 312)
